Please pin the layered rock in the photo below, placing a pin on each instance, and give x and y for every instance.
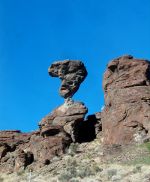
(65, 117)
(126, 116)
(72, 73)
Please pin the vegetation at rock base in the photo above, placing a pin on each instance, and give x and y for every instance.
(1, 179)
(147, 145)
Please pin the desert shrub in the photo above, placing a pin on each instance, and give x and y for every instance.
(71, 162)
(73, 149)
(147, 145)
(64, 177)
(111, 173)
(76, 170)
(137, 169)
(68, 174)
(1, 179)
(54, 180)
(85, 171)
(21, 172)
(142, 160)
(70, 171)
(89, 156)
(96, 169)
(116, 178)
(147, 177)
(74, 180)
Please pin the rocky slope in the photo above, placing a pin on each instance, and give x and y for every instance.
(90, 162)
(109, 138)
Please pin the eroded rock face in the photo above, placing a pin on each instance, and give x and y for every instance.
(126, 116)
(19, 151)
(64, 118)
(72, 74)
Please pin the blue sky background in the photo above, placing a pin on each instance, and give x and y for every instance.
(34, 33)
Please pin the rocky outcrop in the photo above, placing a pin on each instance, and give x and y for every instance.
(69, 116)
(126, 116)
(56, 131)
(124, 119)
(22, 150)
(72, 73)
(66, 117)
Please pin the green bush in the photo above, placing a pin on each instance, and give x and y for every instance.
(73, 149)
(147, 144)
(1, 179)
(111, 173)
(64, 177)
(142, 160)
(74, 180)
(85, 171)
(137, 169)
(69, 172)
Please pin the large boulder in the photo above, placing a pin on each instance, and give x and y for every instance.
(65, 118)
(72, 74)
(126, 116)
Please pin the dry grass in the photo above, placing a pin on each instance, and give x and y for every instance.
(87, 163)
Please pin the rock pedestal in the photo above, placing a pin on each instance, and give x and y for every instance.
(65, 118)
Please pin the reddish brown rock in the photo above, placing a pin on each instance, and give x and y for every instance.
(22, 160)
(72, 73)
(19, 151)
(4, 148)
(22, 150)
(126, 116)
(64, 118)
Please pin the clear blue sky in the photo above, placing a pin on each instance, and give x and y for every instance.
(34, 33)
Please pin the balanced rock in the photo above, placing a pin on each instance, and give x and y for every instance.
(72, 74)
(126, 116)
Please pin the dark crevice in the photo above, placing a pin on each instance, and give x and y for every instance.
(143, 83)
(85, 130)
(112, 67)
(148, 72)
(29, 158)
(6, 149)
(135, 126)
(47, 162)
(51, 132)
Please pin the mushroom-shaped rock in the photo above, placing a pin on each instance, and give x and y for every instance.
(72, 73)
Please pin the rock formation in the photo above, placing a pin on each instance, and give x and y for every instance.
(22, 150)
(66, 117)
(56, 131)
(72, 74)
(126, 117)
(70, 114)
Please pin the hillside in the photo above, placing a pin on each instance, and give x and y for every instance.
(110, 145)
